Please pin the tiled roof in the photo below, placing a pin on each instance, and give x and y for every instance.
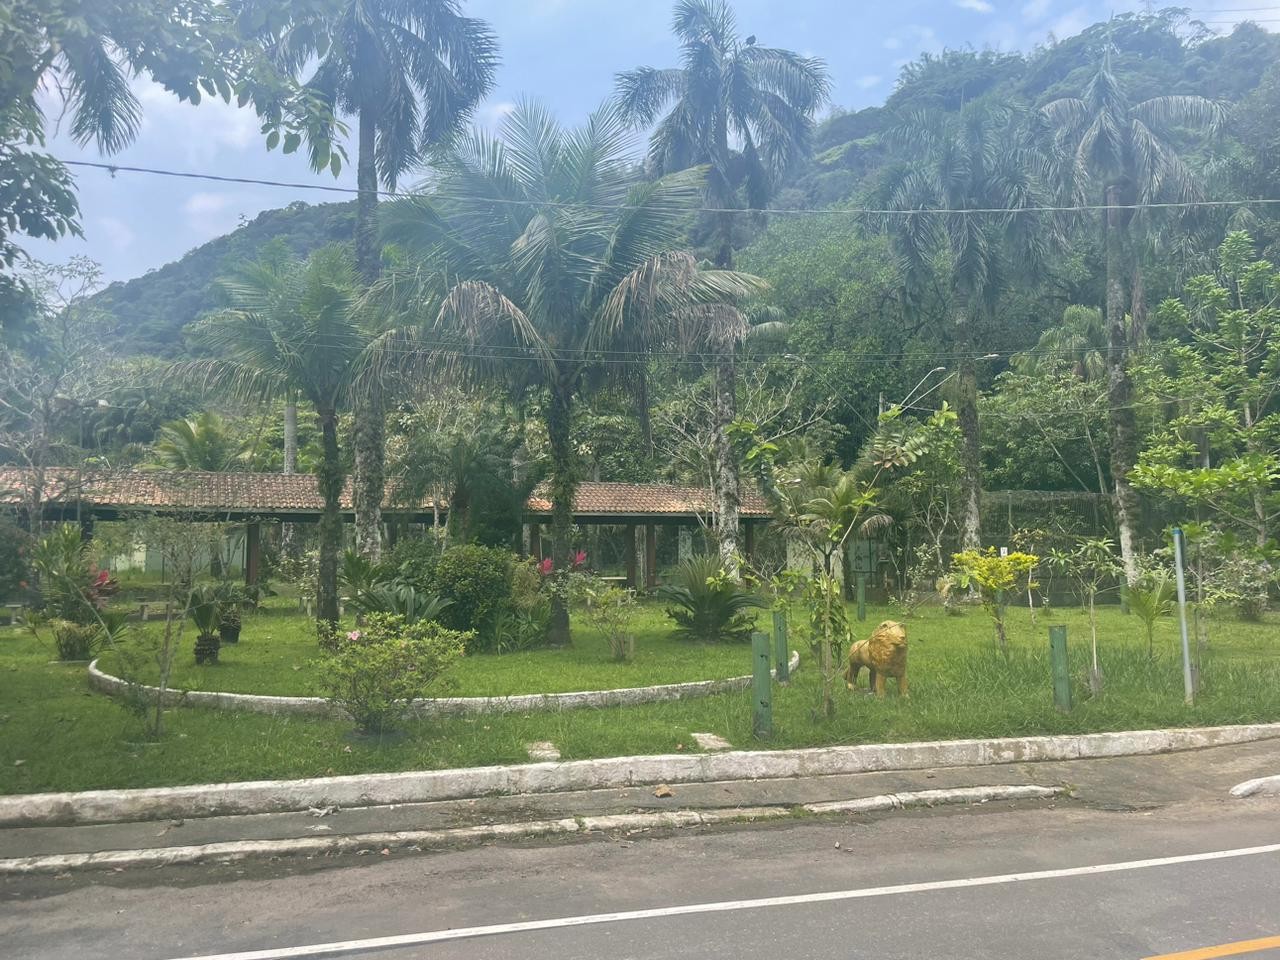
(268, 493)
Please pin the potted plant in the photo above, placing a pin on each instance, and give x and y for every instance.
(232, 598)
(205, 611)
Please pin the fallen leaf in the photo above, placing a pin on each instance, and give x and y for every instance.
(663, 791)
(18, 763)
(347, 748)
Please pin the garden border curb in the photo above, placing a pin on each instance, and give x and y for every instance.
(418, 840)
(114, 686)
(380, 789)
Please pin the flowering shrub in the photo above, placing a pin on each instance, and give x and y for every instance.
(380, 669)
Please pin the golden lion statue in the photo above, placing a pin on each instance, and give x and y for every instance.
(884, 653)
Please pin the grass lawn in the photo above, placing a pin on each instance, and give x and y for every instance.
(277, 654)
(55, 734)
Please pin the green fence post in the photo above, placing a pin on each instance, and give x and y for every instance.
(761, 687)
(1061, 670)
(862, 596)
(781, 655)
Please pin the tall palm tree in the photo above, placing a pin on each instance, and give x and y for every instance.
(411, 72)
(746, 112)
(199, 443)
(1121, 154)
(293, 330)
(538, 256)
(1078, 343)
(979, 159)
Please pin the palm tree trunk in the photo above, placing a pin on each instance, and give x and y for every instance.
(564, 485)
(289, 531)
(369, 412)
(1120, 392)
(330, 482)
(728, 478)
(970, 434)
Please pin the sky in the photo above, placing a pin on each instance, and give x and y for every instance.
(562, 52)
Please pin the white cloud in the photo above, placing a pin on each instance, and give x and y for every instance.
(977, 6)
(1035, 9)
(891, 43)
(201, 203)
(491, 115)
(867, 81)
(116, 232)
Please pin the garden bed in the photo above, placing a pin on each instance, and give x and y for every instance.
(56, 734)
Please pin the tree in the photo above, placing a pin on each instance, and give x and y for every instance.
(1220, 450)
(979, 159)
(411, 72)
(1078, 344)
(293, 329)
(199, 443)
(84, 53)
(539, 253)
(1122, 154)
(746, 113)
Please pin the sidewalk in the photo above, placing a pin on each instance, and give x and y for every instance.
(1205, 775)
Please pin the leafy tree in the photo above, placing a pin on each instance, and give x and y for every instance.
(539, 253)
(293, 329)
(1078, 344)
(411, 72)
(999, 576)
(1090, 563)
(980, 159)
(1222, 449)
(1114, 151)
(204, 442)
(746, 113)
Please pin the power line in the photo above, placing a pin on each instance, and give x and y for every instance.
(113, 169)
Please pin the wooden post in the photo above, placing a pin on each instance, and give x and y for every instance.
(629, 541)
(1060, 668)
(781, 655)
(761, 686)
(749, 541)
(684, 546)
(252, 553)
(862, 597)
(650, 557)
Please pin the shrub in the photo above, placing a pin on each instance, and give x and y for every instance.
(1151, 598)
(71, 587)
(707, 604)
(414, 559)
(401, 598)
(477, 581)
(379, 670)
(205, 610)
(1000, 577)
(608, 609)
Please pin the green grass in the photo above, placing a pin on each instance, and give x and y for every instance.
(68, 738)
(277, 654)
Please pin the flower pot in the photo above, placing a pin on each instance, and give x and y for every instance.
(229, 632)
(207, 648)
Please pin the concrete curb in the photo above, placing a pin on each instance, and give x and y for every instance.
(418, 840)
(436, 707)
(377, 789)
(1262, 787)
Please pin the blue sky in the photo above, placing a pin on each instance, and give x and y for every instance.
(564, 52)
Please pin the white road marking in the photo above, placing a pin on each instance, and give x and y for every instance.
(723, 906)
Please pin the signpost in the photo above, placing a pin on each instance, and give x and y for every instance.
(781, 655)
(1179, 558)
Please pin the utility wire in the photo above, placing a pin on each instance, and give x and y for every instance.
(114, 168)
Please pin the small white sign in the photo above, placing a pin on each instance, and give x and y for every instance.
(1004, 551)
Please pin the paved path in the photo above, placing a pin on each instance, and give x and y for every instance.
(1127, 911)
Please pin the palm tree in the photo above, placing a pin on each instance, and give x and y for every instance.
(201, 443)
(1079, 344)
(411, 72)
(1121, 154)
(293, 329)
(746, 112)
(540, 253)
(979, 159)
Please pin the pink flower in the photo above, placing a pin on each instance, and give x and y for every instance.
(353, 636)
(580, 558)
(546, 566)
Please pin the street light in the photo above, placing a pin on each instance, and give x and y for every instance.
(922, 382)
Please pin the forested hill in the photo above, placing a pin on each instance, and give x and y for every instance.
(153, 308)
(1155, 56)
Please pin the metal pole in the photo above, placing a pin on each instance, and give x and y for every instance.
(1188, 688)
(780, 652)
(862, 596)
(1060, 668)
(761, 688)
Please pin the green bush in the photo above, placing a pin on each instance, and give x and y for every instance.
(413, 559)
(707, 604)
(477, 581)
(380, 669)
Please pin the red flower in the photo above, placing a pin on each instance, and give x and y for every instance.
(102, 578)
(580, 558)
(546, 566)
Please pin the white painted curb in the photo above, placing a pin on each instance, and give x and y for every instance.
(1262, 787)
(377, 789)
(433, 707)
(417, 840)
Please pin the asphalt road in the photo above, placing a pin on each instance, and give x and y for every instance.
(838, 904)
